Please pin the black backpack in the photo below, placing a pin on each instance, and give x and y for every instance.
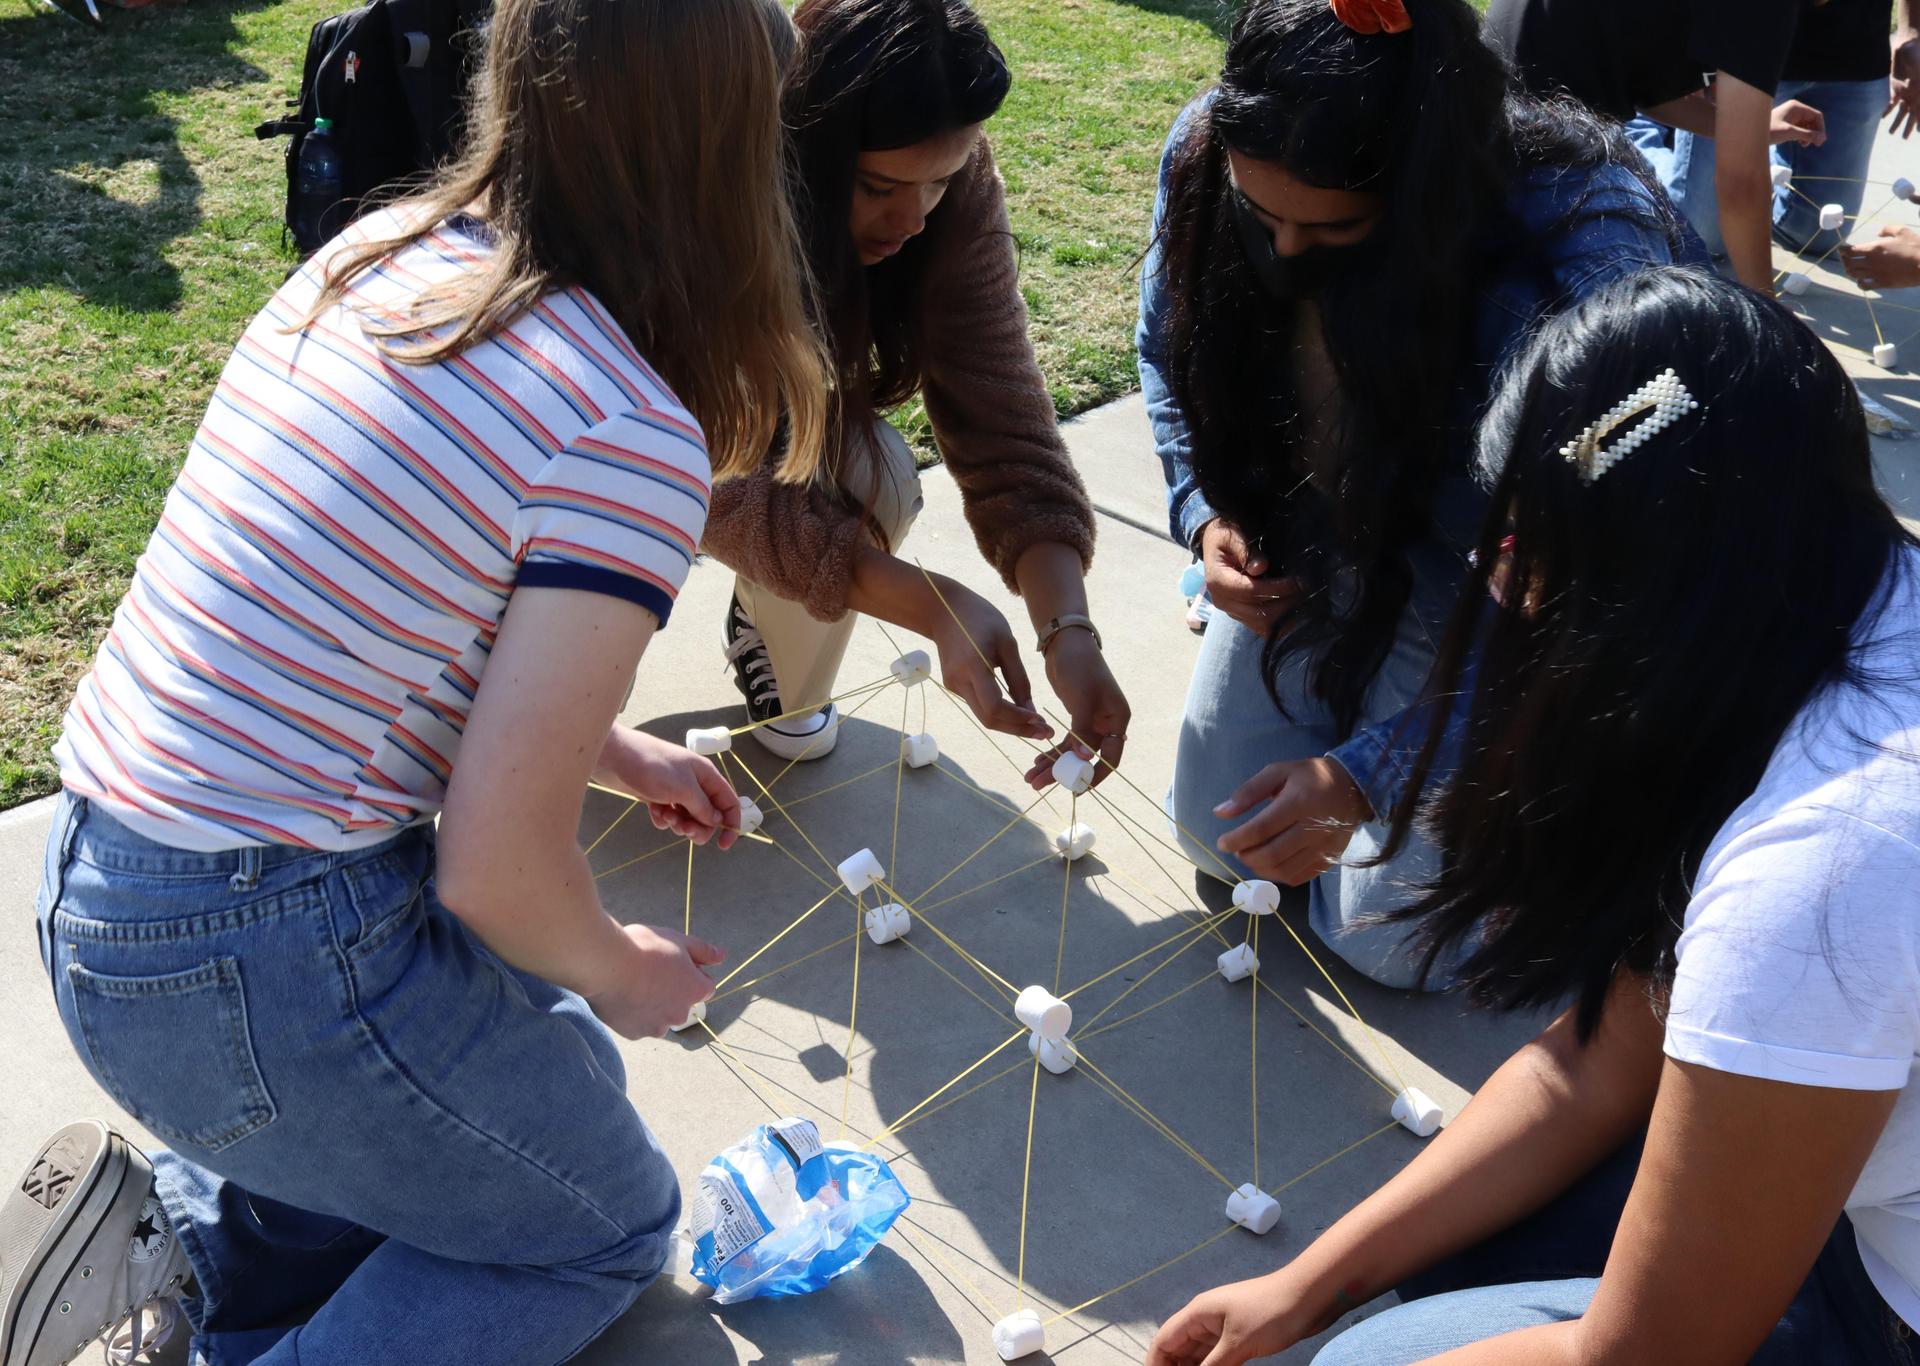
(392, 76)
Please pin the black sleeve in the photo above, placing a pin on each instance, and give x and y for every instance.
(1747, 39)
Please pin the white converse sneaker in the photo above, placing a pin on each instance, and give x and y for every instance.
(811, 736)
(86, 1250)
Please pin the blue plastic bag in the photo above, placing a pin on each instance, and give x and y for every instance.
(781, 1213)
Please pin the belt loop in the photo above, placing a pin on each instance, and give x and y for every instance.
(247, 876)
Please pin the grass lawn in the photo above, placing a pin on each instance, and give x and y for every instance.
(139, 231)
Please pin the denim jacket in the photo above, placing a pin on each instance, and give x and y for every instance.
(1551, 264)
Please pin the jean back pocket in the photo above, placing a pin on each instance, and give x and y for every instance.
(176, 1051)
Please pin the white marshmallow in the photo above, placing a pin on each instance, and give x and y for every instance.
(1782, 177)
(1417, 1111)
(1074, 842)
(1056, 1055)
(1886, 355)
(1237, 962)
(714, 740)
(1832, 216)
(1044, 1013)
(887, 923)
(694, 1017)
(919, 750)
(1253, 1209)
(861, 871)
(1019, 1334)
(1903, 188)
(1073, 773)
(1257, 897)
(1796, 282)
(911, 668)
(751, 816)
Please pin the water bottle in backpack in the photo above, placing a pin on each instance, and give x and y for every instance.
(320, 208)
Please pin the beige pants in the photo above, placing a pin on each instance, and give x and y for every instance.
(806, 652)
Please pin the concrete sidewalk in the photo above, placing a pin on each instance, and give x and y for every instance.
(1114, 1194)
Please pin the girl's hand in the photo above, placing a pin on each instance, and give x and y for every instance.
(1097, 709)
(1797, 122)
(684, 792)
(1231, 1324)
(1904, 92)
(1890, 261)
(966, 629)
(1238, 580)
(651, 989)
(1312, 807)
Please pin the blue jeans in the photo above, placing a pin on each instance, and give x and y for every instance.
(386, 1145)
(1231, 730)
(1546, 1268)
(1829, 174)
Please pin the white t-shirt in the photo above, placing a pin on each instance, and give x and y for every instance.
(1800, 959)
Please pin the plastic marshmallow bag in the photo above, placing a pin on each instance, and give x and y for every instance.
(781, 1213)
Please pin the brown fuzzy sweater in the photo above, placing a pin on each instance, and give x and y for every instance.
(992, 419)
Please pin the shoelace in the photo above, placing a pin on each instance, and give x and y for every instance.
(759, 667)
(130, 1343)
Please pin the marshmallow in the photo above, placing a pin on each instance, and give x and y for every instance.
(887, 923)
(1796, 282)
(712, 741)
(1056, 1055)
(1782, 177)
(1257, 897)
(1417, 1111)
(1074, 842)
(1903, 188)
(919, 750)
(1019, 1334)
(912, 667)
(751, 816)
(1044, 1013)
(1073, 773)
(1237, 962)
(1253, 1209)
(861, 871)
(694, 1017)
(1886, 355)
(1832, 216)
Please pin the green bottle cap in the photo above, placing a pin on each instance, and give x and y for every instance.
(322, 125)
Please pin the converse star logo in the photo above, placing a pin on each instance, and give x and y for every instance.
(152, 1235)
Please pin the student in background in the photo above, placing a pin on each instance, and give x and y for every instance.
(1838, 64)
(1688, 801)
(904, 221)
(445, 492)
(1642, 62)
(1354, 231)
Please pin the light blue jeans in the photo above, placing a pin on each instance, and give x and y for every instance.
(1231, 730)
(1828, 174)
(386, 1145)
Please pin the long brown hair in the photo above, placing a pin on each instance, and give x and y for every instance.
(632, 148)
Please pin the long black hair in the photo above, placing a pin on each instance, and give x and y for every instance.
(1661, 627)
(1429, 119)
(875, 75)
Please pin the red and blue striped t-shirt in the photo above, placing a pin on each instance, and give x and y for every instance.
(297, 654)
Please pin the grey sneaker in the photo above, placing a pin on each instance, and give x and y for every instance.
(85, 1250)
(811, 736)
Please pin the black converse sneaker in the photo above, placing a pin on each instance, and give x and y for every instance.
(85, 1250)
(812, 736)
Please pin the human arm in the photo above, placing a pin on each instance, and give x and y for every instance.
(1740, 1185)
(1543, 1120)
(510, 863)
(1742, 179)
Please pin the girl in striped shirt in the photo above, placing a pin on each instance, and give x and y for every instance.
(445, 492)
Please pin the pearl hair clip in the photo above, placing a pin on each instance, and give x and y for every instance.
(1664, 394)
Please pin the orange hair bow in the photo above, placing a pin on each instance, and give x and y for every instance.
(1372, 16)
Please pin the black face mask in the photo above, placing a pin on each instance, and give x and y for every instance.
(1304, 275)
